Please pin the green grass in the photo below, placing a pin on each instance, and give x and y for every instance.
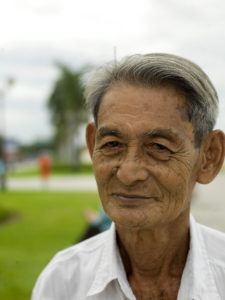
(43, 223)
(57, 169)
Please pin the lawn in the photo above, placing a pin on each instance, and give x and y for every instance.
(42, 223)
(83, 169)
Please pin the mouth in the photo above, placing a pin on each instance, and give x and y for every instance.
(131, 198)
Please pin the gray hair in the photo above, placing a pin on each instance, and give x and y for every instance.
(159, 69)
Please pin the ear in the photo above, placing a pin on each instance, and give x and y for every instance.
(213, 152)
(90, 137)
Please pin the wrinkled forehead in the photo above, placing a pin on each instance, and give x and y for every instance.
(140, 109)
(171, 87)
(124, 97)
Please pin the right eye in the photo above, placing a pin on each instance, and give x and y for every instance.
(112, 148)
(112, 144)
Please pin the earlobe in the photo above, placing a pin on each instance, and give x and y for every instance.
(212, 157)
(90, 137)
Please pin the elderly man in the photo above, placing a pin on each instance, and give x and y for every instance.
(151, 140)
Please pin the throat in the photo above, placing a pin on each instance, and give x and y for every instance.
(150, 257)
(155, 278)
(156, 290)
(154, 258)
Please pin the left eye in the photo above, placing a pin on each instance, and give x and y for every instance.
(158, 151)
(156, 147)
(159, 147)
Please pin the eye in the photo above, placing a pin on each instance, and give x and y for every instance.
(158, 147)
(112, 144)
(111, 148)
(158, 151)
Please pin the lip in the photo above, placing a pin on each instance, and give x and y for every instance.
(131, 198)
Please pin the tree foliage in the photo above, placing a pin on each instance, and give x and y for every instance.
(66, 104)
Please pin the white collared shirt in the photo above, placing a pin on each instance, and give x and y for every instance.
(93, 270)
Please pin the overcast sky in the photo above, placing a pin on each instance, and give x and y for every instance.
(34, 34)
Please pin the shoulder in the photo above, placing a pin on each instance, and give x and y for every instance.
(76, 255)
(62, 276)
(214, 242)
(86, 247)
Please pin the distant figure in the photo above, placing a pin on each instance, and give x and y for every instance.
(2, 176)
(44, 162)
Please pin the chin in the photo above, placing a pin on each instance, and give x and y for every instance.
(133, 220)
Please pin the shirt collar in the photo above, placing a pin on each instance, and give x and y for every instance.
(197, 275)
(110, 265)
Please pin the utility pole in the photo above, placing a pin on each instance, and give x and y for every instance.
(115, 55)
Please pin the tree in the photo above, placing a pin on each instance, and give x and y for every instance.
(66, 104)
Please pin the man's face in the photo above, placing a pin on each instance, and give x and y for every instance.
(144, 158)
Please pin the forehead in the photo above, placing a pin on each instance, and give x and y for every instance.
(140, 107)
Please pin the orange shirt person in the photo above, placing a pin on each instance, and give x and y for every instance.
(44, 162)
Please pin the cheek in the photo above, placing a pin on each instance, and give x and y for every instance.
(173, 181)
(102, 168)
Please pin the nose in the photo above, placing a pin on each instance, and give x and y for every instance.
(132, 170)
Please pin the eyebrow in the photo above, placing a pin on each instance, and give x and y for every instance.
(106, 131)
(167, 134)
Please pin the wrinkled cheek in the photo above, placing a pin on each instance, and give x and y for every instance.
(179, 197)
(103, 172)
(174, 186)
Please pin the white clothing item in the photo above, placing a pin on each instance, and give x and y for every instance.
(93, 270)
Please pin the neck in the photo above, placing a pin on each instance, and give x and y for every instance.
(154, 253)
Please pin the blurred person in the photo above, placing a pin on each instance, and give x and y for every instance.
(97, 222)
(44, 163)
(152, 139)
(2, 175)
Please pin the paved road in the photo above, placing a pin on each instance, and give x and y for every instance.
(208, 205)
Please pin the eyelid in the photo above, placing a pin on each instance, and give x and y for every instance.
(111, 150)
(107, 139)
(157, 143)
(163, 146)
(161, 141)
(107, 143)
(164, 151)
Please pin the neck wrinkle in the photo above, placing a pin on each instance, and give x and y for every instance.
(155, 253)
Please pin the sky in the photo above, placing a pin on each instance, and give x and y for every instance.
(34, 35)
